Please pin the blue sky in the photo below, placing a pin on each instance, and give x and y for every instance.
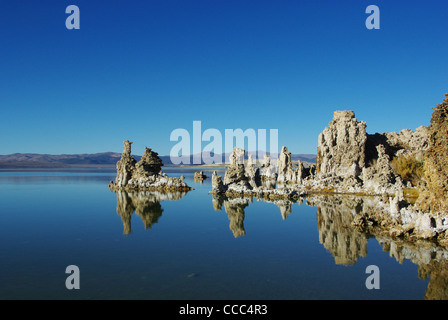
(139, 69)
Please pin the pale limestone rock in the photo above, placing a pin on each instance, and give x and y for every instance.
(250, 170)
(394, 206)
(312, 171)
(341, 144)
(285, 172)
(380, 178)
(300, 172)
(237, 156)
(236, 172)
(268, 170)
(199, 176)
(407, 142)
(217, 184)
(150, 164)
(125, 166)
(145, 174)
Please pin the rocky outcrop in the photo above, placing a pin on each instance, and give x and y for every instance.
(199, 176)
(217, 184)
(346, 163)
(301, 173)
(125, 166)
(238, 183)
(145, 174)
(285, 172)
(268, 171)
(407, 142)
(236, 173)
(341, 155)
(149, 165)
(379, 178)
(250, 170)
(351, 161)
(344, 220)
(434, 196)
(341, 144)
(397, 218)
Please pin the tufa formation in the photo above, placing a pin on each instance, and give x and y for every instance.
(434, 195)
(407, 172)
(145, 174)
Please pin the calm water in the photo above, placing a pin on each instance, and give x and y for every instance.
(191, 246)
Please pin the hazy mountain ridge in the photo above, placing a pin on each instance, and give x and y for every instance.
(92, 160)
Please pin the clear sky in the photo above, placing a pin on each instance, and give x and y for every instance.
(138, 70)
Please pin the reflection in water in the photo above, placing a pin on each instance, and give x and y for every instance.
(234, 207)
(235, 211)
(146, 205)
(334, 218)
(346, 243)
(437, 271)
(335, 215)
(432, 261)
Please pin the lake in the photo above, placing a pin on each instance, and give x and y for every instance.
(192, 245)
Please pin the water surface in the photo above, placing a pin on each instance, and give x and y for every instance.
(191, 245)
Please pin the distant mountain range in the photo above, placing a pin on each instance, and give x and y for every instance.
(93, 160)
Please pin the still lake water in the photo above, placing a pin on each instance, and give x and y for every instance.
(189, 245)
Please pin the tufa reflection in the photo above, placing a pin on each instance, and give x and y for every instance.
(334, 223)
(145, 204)
(341, 235)
(235, 209)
